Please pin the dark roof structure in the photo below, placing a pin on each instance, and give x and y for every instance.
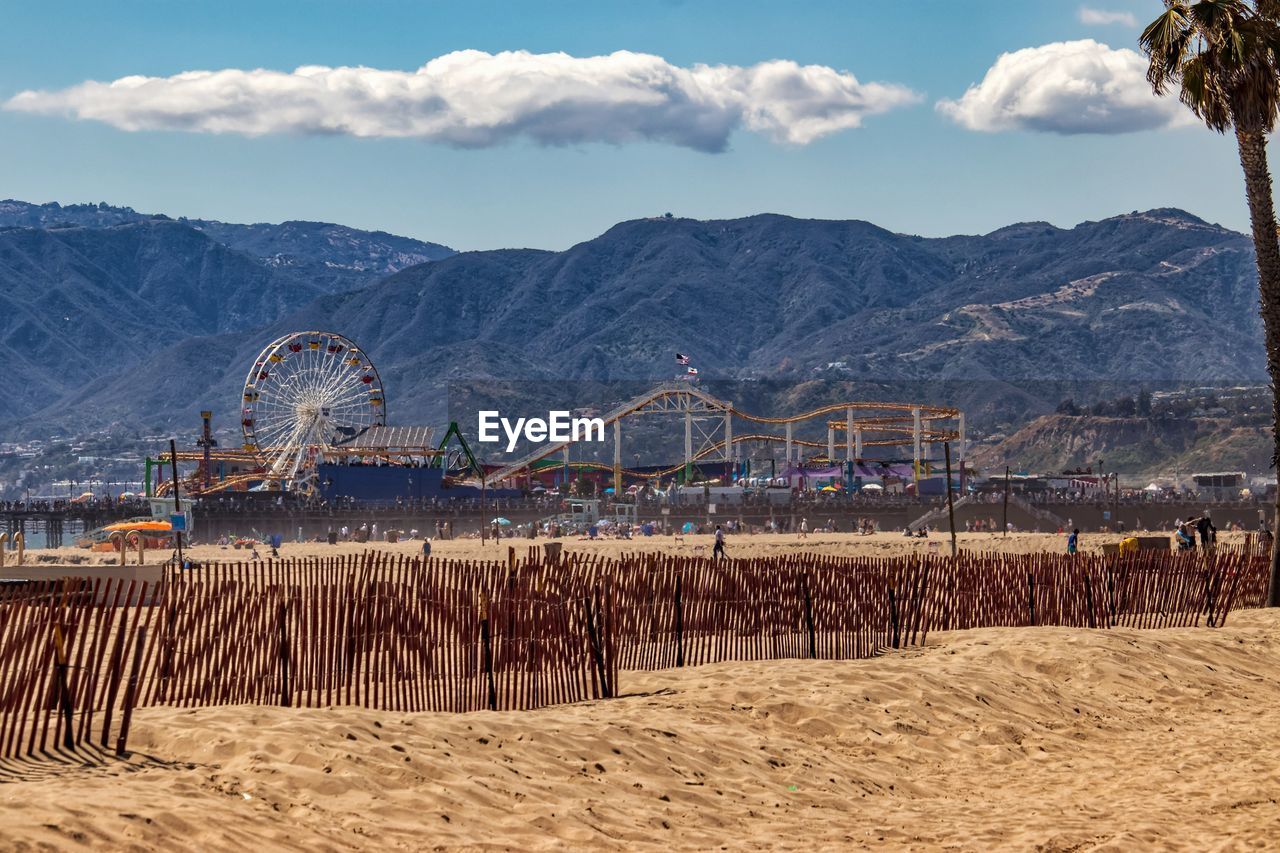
(386, 440)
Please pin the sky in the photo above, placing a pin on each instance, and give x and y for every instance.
(485, 124)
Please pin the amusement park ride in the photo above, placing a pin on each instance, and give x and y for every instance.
(865, 424)
(308, 392)
(314, 399)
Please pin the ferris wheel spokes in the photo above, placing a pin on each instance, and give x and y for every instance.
(305, 392)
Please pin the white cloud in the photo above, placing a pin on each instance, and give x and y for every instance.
(470, 98)
(1104, 17)
(1066, 87)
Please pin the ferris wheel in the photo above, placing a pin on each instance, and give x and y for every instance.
(306, 392)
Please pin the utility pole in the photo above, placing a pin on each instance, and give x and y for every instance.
(177, 499)
(1116, 500)
(483, 503)
(1006, 500)
(951, 509)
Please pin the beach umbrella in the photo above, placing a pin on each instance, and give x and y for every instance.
(502, 522)
(688, 527)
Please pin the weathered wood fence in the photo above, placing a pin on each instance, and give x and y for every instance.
(399, 633)
(72, 656)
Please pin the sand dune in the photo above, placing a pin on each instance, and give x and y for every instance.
(1059, 739)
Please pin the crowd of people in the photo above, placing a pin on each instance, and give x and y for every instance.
(1127, 497)
(276, 504)
(123, 504)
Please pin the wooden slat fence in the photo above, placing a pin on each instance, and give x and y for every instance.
(405, 634)
(71, 657)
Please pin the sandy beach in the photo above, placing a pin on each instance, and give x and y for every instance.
(744, 545)
(1055, 739)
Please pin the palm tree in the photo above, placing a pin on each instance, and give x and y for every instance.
(1224, 57)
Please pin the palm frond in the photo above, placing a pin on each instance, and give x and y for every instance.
(1165, 42)
(1225, 57)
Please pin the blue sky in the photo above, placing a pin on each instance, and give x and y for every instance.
(910, 168)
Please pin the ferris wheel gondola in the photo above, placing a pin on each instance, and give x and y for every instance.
(306, 393)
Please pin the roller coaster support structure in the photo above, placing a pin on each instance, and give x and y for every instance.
(890, 425)
(915, 437)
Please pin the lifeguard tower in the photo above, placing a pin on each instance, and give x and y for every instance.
(584, 511)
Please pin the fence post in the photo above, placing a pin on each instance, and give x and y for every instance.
(893, 616)
(1211, 595)
(166, 658)
(1111, 594)
(1031, 597)
(808, 618)
(679, 624)
(487, 646)
(597, 654)
(64, 691)
(1088, 599)
(918, 605)
(131, 691)
(285, 696)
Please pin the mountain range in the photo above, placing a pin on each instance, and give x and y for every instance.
(331, 257)
(116, 320)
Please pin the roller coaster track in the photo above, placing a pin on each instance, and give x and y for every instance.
(191, 485)
(680, 398)
(927, 413)
(718, 447)
(688, 399)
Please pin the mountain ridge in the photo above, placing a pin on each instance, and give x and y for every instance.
(346, 257)
(1144, 296)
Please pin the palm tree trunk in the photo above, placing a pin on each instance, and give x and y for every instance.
(1266, 244)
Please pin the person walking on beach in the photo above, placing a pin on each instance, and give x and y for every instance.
(804, 528)
(1184, 535)
(1207, 532)
(718, 551)
(1073, 541)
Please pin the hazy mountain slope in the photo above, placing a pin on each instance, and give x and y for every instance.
(77, 304)
(1154, 296)
(1136, 447)
(1146, 296)
(334, 257)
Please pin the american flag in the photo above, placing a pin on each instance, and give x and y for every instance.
(682, 358)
